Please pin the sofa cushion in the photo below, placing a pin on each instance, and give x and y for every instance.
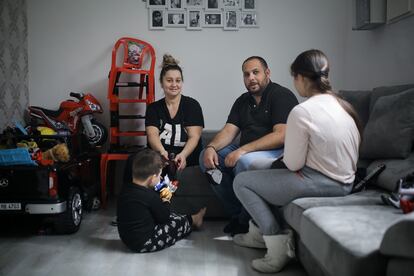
(399, 267)
(194, 183)
(360, 101)
(381, 91)
(389, 131)
(294, 210)
(195, 192)
(207, 136)
(394, 170)
(398, 240)
(345, 240)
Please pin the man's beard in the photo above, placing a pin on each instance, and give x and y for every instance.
(257, 93)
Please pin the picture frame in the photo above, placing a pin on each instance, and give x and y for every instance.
(156, 3)
(176, 19)
(231, 4)
(156, 19)
(195, 4)
(231, 20)
(248, 19)
(248, 5)
(212, 19)
(194, 19)
(176, 5)
(213, 5)
(199, 14)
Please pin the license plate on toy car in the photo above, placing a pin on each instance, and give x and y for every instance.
(10, 206)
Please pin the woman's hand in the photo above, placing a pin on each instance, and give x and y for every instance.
(181, 161)
(164, 155)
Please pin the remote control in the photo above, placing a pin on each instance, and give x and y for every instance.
(361, 184)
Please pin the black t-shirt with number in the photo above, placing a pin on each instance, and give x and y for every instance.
(255, 121)
(173, 134)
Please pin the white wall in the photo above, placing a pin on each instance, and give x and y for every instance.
(70, 44)
(382, 56)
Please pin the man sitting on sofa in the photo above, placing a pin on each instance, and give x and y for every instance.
(260, 116)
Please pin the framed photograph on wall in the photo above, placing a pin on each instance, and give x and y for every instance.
(248, 20)
(194, 18)
(176, 4)
(231, 20)
(212, 19)
(156, 19)
(156, 3)
(248, 5)
(231, 4)
(176, 19)
(213, 5)
(195, 4)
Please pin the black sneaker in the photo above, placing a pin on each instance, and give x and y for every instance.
(114, 222)
(234, 228)
(239, 229)
(229, 227)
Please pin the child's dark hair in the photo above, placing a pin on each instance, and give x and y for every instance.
(169, 63)
(314, 65)
(146, 163)
(260, 59)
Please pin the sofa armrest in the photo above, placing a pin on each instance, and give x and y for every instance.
(398, 240)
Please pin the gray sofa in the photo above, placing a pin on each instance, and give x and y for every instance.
(356, 234)
(195, 191)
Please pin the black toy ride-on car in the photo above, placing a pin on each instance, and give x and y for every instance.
(57, 193)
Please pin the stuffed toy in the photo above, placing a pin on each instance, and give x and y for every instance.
(59, 153)
(134, 53)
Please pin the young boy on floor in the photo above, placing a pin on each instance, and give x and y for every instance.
(145, 222)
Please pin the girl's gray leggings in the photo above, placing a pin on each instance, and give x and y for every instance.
(258, 190)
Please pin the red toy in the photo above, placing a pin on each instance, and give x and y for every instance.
(73, 117)
(407, 204)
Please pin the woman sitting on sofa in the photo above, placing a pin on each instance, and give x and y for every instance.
(174, 123)
(321, 150)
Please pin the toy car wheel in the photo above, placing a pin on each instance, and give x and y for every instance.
(101, 134)
(70, 221)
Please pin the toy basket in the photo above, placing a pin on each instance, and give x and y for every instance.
(18, 156)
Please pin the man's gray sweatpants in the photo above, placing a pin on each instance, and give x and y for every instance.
(258, 190)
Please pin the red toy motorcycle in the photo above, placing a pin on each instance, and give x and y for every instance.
(73, 117)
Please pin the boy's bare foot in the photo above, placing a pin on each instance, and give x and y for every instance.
(198, 218)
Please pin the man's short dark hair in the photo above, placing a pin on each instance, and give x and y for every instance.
(260, 59)
(146, 163)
